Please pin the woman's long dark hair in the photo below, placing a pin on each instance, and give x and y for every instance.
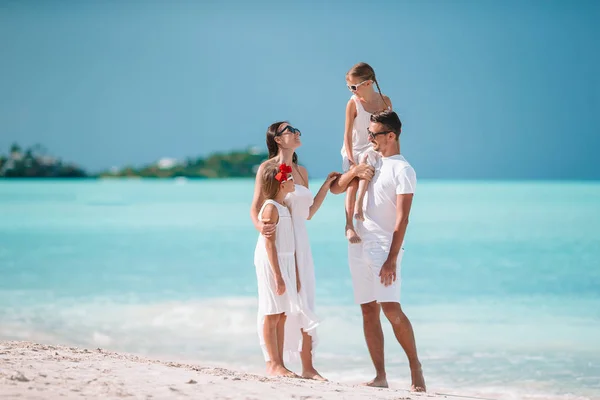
(272, 144)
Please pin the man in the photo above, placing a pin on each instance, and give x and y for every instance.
(375, 262)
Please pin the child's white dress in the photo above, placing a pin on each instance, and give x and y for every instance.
(361, 145)
(290, 302)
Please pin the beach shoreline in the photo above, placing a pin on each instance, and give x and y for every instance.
(38, 371)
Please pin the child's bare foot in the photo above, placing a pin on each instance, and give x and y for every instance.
(313, 374)
(379, 382)
(359, 216)
(280, 370)
(418, 380)
(352, 235)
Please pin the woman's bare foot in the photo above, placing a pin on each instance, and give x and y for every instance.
(280, 370)
(313, 374)
(418, 380)
(352, 235)
(379, 382)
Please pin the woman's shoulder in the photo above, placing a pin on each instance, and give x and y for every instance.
(302, 168)
(262, 165)
(303, 171)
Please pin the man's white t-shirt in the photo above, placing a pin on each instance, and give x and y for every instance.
(393, 176)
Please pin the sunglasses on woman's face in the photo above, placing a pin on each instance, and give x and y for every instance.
(354, 88)
(290, 129)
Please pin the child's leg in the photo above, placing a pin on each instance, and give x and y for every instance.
(362, 190)
(273, 334)
(271, 339)
(350, 203)
(281, 336)
(360, 196)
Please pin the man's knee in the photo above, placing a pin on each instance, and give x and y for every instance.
(370, 311)
(393, 312)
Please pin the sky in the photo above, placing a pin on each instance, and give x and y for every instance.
(485, 89)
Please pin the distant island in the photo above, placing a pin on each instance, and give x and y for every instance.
(34, 162)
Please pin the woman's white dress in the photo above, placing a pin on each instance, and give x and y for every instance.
(299, 202)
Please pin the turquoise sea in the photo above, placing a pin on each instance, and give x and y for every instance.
(500, 279)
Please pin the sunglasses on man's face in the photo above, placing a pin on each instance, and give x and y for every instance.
(354, 88)
(373, 134)
(291, 131)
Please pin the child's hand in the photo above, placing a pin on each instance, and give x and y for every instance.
(279, 286)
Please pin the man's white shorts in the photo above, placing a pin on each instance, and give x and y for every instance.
(365, 260)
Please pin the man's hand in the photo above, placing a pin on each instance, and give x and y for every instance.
(267, 229)
(363, 171)
(388, 272)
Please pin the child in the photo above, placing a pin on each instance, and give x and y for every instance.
(357, 146)
(276, 271)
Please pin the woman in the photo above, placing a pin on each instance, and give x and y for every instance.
(282, 141)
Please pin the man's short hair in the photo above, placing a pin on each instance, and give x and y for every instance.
(389, 119)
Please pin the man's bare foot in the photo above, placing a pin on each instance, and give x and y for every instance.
(280, 370)
(418, 380)
(313, 374)
(377, 382)
(352, 235)
(359, 216)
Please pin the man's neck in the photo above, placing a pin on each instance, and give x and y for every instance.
(393, 151)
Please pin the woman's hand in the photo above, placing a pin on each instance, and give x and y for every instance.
(330, 178)
(268, 229)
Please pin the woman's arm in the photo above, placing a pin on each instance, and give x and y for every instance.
(322, 193)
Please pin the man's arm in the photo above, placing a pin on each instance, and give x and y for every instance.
(403, 204)
(389, 267)
(405, 189)
(361, 171)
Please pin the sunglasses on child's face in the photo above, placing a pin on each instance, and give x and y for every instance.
(354, 88)
(290, 131)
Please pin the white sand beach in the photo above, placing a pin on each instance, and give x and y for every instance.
(37, 371)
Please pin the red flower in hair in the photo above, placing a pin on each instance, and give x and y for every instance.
(284, 170)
